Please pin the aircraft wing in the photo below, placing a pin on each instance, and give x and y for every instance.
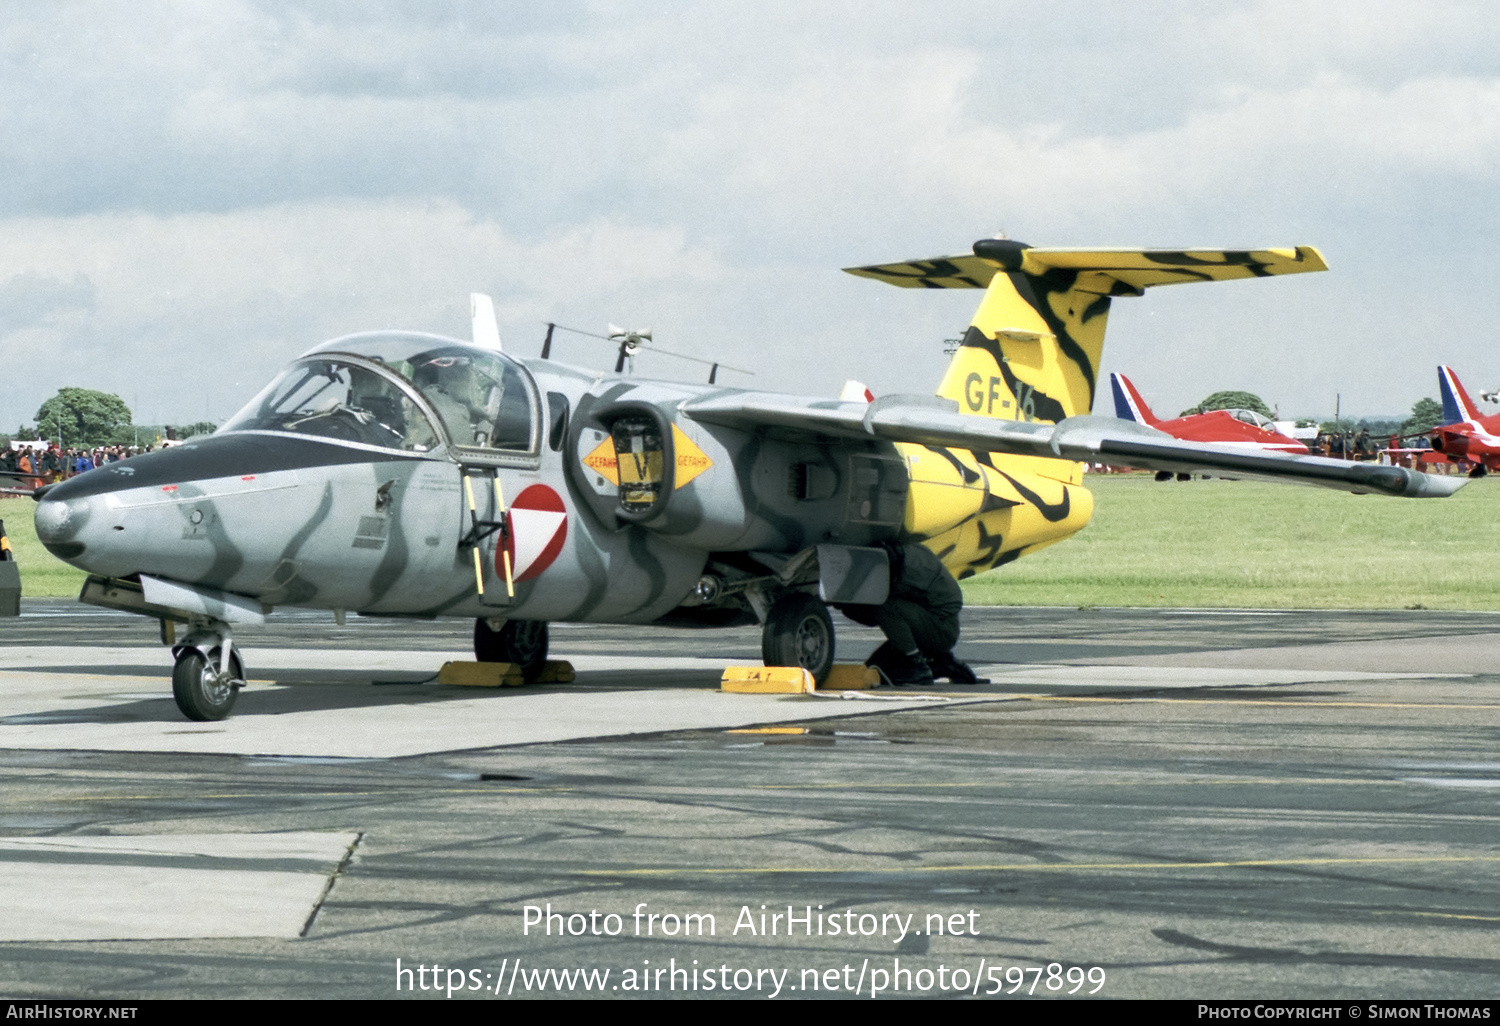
(928, 420)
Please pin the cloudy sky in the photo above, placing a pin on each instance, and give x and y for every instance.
(192, 193)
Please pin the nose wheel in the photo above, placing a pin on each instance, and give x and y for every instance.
(799, 632)
(204, 686)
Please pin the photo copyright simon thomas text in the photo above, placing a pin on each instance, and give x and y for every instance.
(869, 976)
(1282, 1010)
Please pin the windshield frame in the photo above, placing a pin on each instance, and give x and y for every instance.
(434, 422)
(347, 346)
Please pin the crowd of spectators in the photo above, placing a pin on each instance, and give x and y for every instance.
(1349, 445)
(1415, 451)
(28, 467)
(1345, 445)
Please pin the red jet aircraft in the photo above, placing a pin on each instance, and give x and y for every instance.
(1464, 434)
(1238, 429)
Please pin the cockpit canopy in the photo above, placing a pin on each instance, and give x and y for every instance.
(1252, 418)
(485, 400)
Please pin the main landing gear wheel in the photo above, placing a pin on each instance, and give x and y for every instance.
(523, 642)
(799, 632)
(200, 692)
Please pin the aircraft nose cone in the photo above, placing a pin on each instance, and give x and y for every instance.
(59, 522)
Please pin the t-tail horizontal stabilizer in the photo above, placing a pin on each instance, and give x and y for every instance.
(1032, 350)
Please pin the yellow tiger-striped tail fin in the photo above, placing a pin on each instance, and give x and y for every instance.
(1032, 351)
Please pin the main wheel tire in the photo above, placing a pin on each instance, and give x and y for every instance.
(523, 642)
(799, 632)
(196, 687)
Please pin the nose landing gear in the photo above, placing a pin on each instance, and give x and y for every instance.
(208, 673)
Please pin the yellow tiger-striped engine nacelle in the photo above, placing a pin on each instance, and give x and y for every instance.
(977, 512)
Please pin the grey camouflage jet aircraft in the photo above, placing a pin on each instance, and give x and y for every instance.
(401, 474)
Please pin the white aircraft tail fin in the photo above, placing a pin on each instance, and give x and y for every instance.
(856, 392)
(1458, 408)
(1128, 402)
(486, 332)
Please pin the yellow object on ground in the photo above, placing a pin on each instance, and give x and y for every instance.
(502, 675)
(851, 677)
(481, 675)
(557, 671)
(767, 680)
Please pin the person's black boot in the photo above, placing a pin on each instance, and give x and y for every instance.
(946, 665)
(909, 669)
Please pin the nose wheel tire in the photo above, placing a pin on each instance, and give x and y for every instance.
(200, 692)
(523, 642)
(799, 632)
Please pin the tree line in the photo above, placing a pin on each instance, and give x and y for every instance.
(1426, 414)
(81, 418)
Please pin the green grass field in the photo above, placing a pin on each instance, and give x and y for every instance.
(1191, 543)
(43, 575)
(1267, 546)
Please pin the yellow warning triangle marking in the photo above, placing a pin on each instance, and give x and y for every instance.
(691, 460)
(603, 461)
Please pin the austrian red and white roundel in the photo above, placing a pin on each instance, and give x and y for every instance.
(538, 528)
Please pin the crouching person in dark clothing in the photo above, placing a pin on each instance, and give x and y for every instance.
(919, 619)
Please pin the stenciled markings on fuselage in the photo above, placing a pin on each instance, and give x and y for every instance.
(982, 396)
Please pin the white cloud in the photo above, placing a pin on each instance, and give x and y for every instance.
(233, 178)
(179, 311)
